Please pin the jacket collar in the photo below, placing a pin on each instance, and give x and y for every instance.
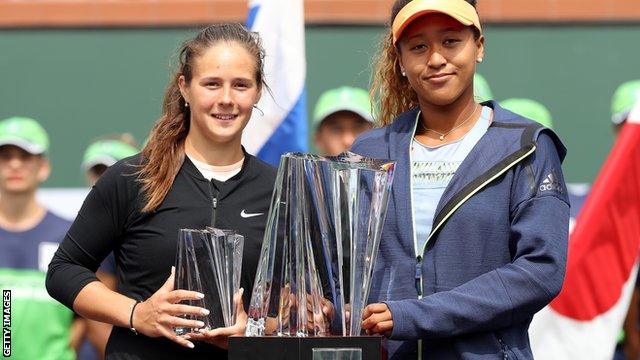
(247, 172)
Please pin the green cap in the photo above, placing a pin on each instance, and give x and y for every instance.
(106, 152)
(344, 98)
(24, 133)
(530, 109)
(623, 99)
(481, 89)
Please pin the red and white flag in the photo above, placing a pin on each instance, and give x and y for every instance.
(584, 321)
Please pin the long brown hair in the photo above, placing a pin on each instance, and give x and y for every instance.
(163, 154)
(388, 86)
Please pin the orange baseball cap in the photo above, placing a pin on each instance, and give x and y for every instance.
(460, 10)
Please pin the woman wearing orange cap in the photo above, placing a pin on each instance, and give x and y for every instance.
(475, 237)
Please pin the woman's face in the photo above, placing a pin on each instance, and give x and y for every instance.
(438, 55)
(222, 92)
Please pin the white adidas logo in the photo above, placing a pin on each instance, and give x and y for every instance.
(550, 182)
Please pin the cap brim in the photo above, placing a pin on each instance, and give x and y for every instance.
(462, 12)
(98, 160)
(617, 119)
(24, 145)
(364, 114)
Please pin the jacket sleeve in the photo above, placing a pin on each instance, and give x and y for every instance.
(92, 236)
(513, 293)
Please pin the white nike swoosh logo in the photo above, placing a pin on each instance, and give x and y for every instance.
(249, 215)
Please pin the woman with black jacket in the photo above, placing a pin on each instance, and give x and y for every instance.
(192, 173)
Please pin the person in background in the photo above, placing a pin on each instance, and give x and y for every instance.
(623, 100)
(481, 89)
(340, 115)
(97, 158)
(105, 152)
(41, 328)
(473, 244)
(625, 96)
(530, 109)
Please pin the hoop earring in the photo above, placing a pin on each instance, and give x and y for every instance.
(260, 111)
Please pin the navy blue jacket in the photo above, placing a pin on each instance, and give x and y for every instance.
(497, 251)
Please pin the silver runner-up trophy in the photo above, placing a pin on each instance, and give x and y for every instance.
(209, 261)
(318, 255)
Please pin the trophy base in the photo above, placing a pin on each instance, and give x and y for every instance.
(307, 348)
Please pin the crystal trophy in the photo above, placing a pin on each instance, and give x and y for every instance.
(320, 245)
(209, 261)
(227, 249)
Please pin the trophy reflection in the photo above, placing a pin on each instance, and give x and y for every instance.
(320, 245)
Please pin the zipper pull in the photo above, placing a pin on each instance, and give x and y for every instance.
(505, 354)
(418, 274)
(214, 203)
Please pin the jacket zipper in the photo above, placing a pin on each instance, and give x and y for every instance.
(214, 203)
(418, 278)
(418, 269)
(418, 281)
(503, 347)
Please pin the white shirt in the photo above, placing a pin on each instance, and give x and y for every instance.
(220, 173)
(431, 170)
